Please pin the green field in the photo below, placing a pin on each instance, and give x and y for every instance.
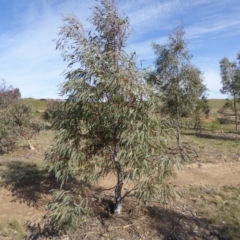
(216, 103)
(38, 104)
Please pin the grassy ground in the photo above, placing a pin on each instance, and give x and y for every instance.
(216, 103)
(220, 206)
(13, 229)
(216, 126)
(212, 143)
(39, 105)
(215, 121)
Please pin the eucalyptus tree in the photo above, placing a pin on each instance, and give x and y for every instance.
(109, 124)
(177, 81)
(201, 107)
(230, 74)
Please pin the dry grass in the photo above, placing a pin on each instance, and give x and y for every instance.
(12, 229)
(220, 206)
(213, 142)
(41, 142)
(216, 103)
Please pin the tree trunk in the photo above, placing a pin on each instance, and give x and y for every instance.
(178, 129)
(198, 125)
(236, 113)
(118, 189)
(178, 116)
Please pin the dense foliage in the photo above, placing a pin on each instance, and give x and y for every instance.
(54, 110)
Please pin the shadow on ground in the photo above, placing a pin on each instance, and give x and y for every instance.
(27, 182)
(221, 136)
(173, 225)
(138, 221)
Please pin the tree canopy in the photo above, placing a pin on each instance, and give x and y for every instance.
(178, 82)
(110, 123)
(230, 74)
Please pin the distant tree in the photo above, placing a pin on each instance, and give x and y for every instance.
(8, 94)
(8, 137)
(110, 123)
(21, 117)
(230, 74)
(201, 107)
(227, 110)
(177, 81)
(16, 119)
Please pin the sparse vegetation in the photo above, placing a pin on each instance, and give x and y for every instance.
(179, 84)
(230, 73)
(220, 206)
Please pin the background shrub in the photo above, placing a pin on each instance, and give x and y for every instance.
(54, 110)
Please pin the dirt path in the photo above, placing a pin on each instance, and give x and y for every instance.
(209, 174)
(197, 173)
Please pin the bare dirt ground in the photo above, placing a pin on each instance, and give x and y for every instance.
(26, 198)
(214, 174)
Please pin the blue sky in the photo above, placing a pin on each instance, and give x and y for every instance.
(29, 61)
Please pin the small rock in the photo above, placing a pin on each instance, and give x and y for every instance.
(215, 232)
(208, 190)
(194, 214)
(65, 238)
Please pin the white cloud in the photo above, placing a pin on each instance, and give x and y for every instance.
(218, 27)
